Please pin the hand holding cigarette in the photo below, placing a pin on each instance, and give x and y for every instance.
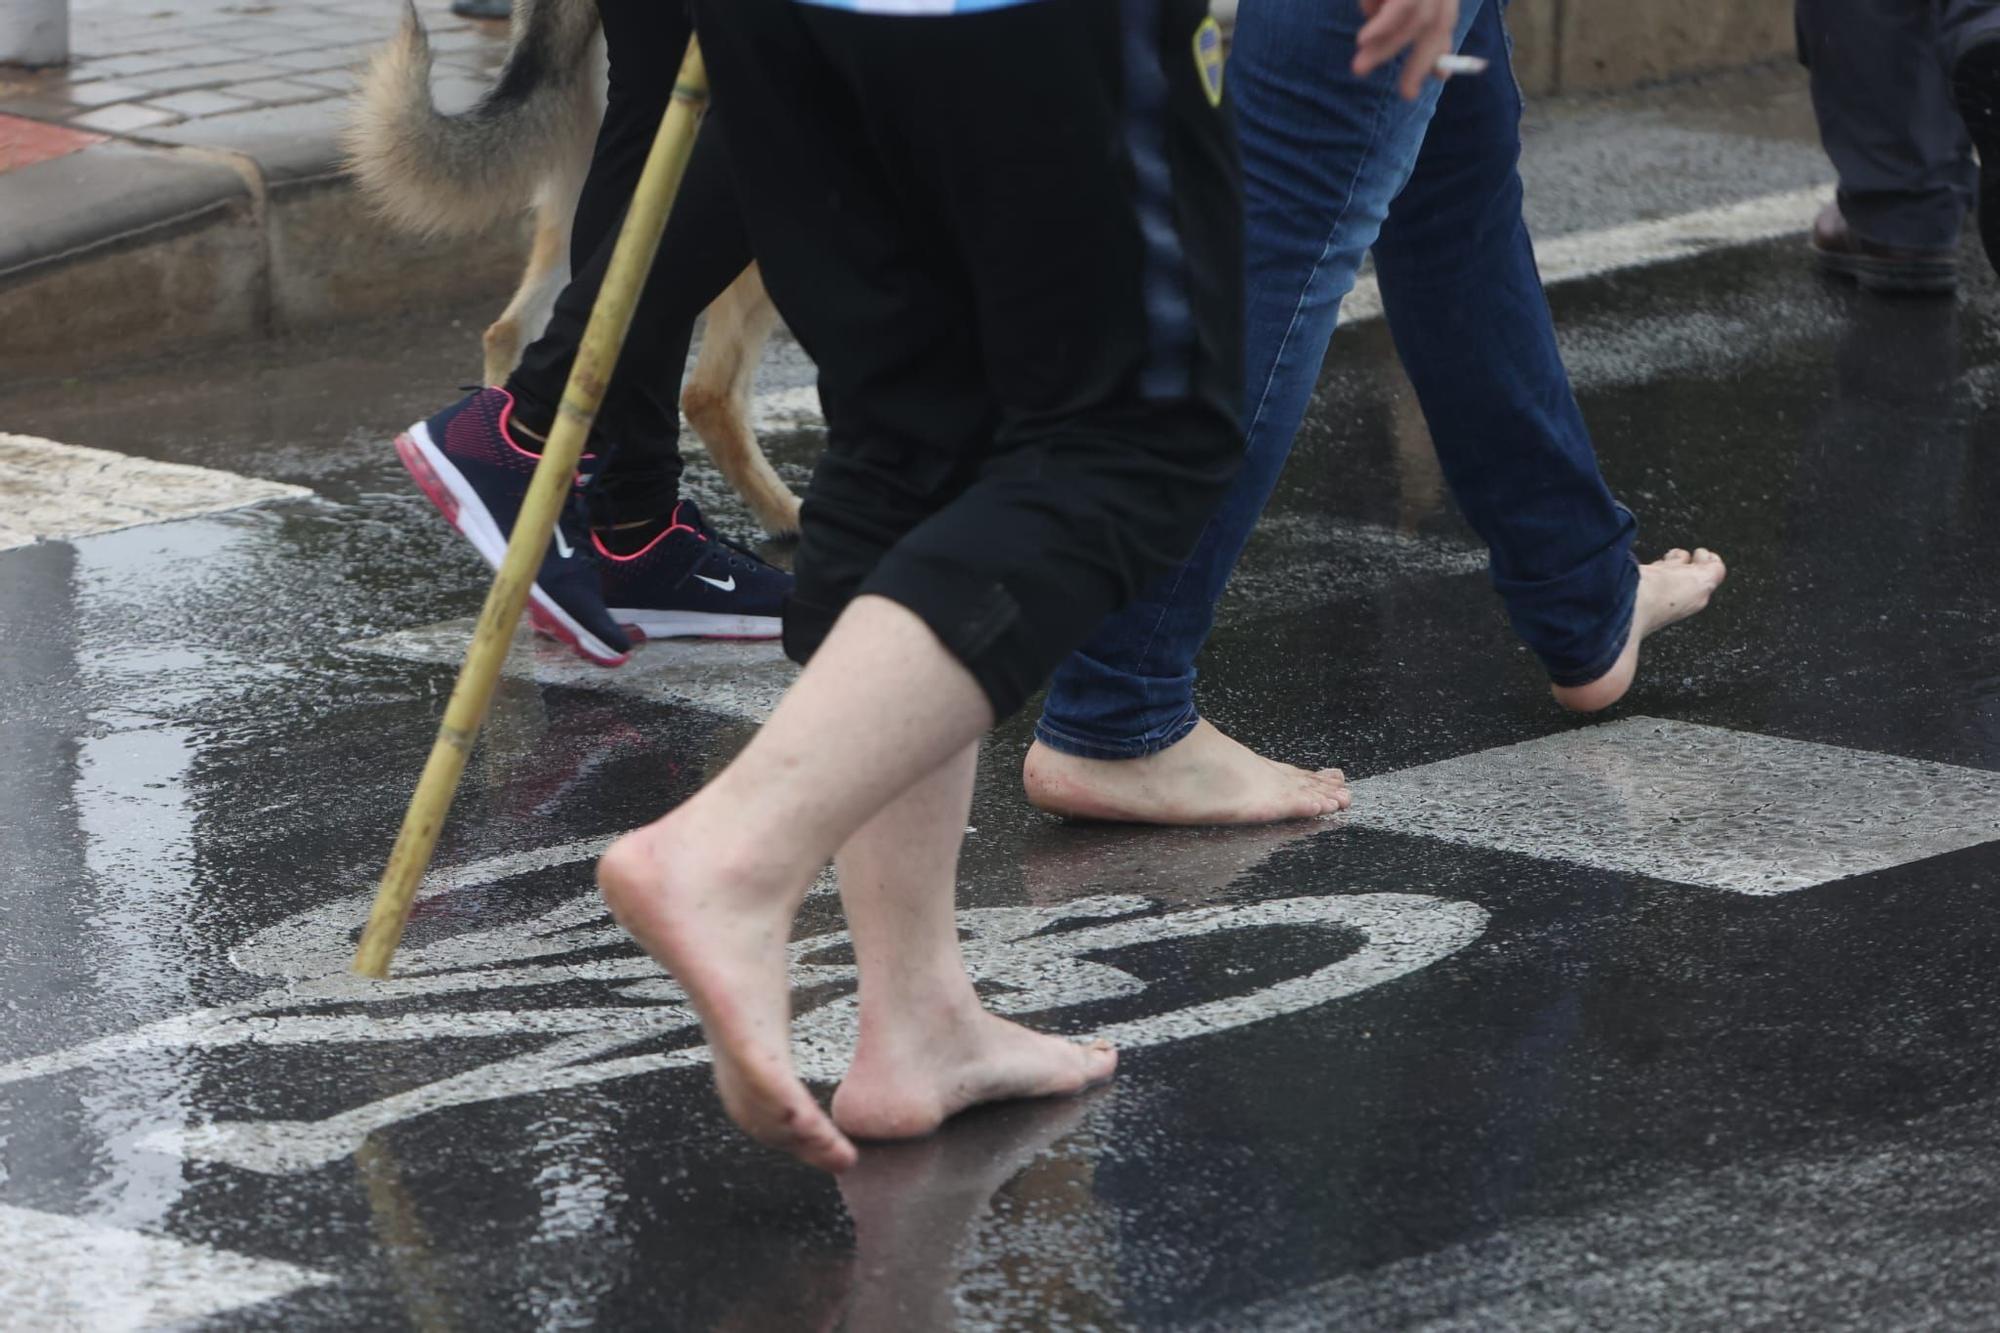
(1424, 28)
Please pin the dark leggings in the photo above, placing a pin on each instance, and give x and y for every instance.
(705, 247)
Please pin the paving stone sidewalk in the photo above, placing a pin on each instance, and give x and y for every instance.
(95, 152)
(151, 68)
(179, 182)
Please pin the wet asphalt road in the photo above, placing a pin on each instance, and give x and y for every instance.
(1449, 1066)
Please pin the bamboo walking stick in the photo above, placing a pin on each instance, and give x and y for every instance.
(596, 358)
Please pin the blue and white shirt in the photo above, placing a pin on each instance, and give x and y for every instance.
(914, 7)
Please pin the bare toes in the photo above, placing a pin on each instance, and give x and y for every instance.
(802, 1130)
(830, 1152)
(1677, 556)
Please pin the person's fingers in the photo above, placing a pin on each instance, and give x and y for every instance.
(1423, 60)
(1395, 27)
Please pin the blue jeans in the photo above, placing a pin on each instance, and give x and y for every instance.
(1332, 166)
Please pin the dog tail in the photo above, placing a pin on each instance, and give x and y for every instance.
(438, 174)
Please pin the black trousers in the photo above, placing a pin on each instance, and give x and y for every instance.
(1881, 90)
(1012, 241)
(705, 247)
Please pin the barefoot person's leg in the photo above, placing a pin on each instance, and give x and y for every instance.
(987, 495)
(1324, 153)
(710, 890)
(1465, 305)
(928, 1049)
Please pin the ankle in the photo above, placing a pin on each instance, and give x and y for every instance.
(908, 1014)
(530, 421)
(750, 862)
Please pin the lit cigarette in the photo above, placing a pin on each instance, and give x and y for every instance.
(1448, 65)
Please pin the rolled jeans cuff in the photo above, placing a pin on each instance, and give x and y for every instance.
(1151, 741)
(1581, 662)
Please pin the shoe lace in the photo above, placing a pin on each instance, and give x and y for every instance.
(573, 521)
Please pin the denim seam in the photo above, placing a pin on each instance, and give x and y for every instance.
(1298, 310)
(1319, 266)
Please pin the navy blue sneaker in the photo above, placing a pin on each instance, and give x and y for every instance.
(466, 460)
(689, 582)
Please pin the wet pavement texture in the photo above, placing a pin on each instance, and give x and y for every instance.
(1687, 1017)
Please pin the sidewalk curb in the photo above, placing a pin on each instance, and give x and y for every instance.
(227, 229)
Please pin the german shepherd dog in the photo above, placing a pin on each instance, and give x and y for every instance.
(528, 141)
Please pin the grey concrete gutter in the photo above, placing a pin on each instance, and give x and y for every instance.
(1593, 46)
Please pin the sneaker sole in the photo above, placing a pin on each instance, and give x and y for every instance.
(1886, 278)
(654, 624)
(446, 488)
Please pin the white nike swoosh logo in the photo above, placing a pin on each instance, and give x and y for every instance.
(562, 546)
(728, 586)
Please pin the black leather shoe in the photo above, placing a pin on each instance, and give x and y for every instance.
(1888, 269)
(482, 9)
(1975, 86)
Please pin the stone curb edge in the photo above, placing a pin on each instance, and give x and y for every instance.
(209, 232)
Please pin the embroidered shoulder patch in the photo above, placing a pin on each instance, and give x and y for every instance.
(1208, 59)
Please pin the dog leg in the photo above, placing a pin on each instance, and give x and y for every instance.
(528, 313)
(717, 400)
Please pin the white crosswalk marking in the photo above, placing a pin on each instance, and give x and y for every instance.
(54, 492)
(1562, 259)
(735, 679)
(1692, 804)
(1591, 254)
(64, 1273)
(746, 679)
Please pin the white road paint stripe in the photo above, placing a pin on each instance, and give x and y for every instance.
(733, 679)
(1668, 800)
(1039, 968)
(1562, 259)
(307, 945)
(1588, 254)
(1592, 254)
(54, 492)
(1692, 804)
(67, 1273)
(318, 943)
(746, 680)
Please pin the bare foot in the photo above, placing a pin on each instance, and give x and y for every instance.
(1203, 778)
(1672, 588)
(906, 1082)
(724, 938)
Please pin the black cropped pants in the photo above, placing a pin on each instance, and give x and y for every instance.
(1011, 240)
